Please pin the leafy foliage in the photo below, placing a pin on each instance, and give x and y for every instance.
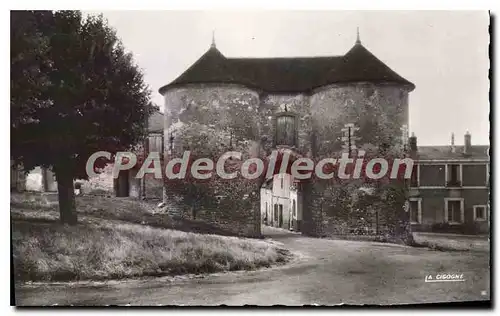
(74, 90)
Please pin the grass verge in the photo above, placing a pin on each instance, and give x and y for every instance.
(450, 243)
(100, 248)
(35, 205)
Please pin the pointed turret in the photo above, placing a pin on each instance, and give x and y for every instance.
(213, 40)
(211, 67)
(360, 65)
(358, 41)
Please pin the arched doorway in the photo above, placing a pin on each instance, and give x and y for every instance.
(278, 193)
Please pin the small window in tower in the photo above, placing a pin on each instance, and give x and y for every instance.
(285, 130)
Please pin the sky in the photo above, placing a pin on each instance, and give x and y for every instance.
(444, 53)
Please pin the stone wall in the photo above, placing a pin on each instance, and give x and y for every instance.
(103, 183)
(379, 111)
(209, 120)
(100, 184)
(212, 119)
(154, 187)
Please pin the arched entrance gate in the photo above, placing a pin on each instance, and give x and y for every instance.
(280, 193)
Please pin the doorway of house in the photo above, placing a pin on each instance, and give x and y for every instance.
(276, 215)
(265, 216)
(281, 215)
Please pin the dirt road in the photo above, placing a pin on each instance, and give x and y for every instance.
(324, 272)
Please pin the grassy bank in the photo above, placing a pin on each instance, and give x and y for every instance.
(36, 206)
(450, 242)
(103, 248)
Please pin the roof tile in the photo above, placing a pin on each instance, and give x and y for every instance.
(293, 74)
(445, 152)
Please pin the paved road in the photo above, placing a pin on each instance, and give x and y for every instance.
(324, 272)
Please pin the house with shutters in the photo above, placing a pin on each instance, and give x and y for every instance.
(450, 188)
(281, 203)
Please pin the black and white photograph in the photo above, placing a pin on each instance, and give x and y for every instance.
(250, 158)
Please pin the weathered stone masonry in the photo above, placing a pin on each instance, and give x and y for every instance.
(209, 120)
(218, 105)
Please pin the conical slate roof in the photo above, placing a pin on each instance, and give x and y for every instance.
(211, 67)
(289, 75)
(359, 64)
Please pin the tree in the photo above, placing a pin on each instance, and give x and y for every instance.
(74, 91)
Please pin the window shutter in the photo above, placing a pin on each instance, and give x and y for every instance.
(285, 130)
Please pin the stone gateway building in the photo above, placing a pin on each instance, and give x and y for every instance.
(314, 107)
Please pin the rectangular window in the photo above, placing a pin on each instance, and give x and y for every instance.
(432, 175)
(474, 175)
(480, 213)
(453, 175)
(454, 210)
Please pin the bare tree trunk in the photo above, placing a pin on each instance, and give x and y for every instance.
(66, 193)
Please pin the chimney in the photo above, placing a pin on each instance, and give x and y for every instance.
(413, 143)
(467, 143)
(453, 142)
